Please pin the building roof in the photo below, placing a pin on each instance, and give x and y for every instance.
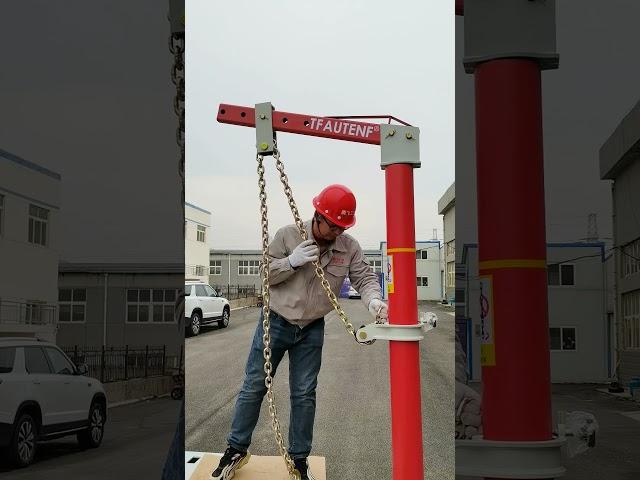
(30, 165)
(197, 208)
(622, 147)
(156, 268)
(599, 245)
(447, 200)
(235, 252)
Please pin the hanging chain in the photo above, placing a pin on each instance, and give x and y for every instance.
(266, 324)
(177, 46)
(303, 233)
(266, 309)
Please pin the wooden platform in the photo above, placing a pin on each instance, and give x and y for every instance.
(199, 465)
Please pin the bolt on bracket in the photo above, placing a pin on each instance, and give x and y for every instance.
(265, 135)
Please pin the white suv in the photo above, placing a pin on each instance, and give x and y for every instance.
(203, 306)
(44, 396)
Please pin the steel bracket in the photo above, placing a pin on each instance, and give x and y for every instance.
(510, 459)
(367, 334)
(399, 144)
(265, 135)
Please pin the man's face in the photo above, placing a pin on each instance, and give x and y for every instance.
(328, 230)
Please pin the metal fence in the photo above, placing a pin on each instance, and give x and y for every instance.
(110, 364)
(233, 292)
(27, 313)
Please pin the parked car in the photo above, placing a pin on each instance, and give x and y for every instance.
(44, 396)
(353, 293)
(204, 306)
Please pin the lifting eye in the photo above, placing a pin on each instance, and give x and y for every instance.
(285, 120)
(243, 114)
(306, 123)
(223, 111)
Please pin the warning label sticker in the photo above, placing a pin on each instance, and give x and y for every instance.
(487, 347)
(389, 273)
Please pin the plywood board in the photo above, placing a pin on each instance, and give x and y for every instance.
(199, 466)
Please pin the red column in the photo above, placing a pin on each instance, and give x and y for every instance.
(406, 414)
(516, 398)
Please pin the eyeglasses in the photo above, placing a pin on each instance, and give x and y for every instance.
(332, 226)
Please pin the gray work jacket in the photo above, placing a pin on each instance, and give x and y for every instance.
(297, 294)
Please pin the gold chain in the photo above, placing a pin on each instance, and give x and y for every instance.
(266, 309)
(303, 233)
(266, 324)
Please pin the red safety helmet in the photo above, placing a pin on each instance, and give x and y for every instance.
(338, 204)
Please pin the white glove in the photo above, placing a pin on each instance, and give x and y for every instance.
(378, 305)
(306, 252)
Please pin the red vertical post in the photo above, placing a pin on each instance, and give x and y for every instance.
(406, 414)
(512, 250)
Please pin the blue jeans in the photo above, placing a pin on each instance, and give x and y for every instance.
(305, 356)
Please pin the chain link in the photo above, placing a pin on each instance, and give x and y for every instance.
(303, 233)
(176, 47)
(266, 324)
(266, 308)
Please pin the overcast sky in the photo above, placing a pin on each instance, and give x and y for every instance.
(321, 58)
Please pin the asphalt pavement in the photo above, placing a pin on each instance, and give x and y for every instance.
(616, 455)
(135, 445)
(352, 428)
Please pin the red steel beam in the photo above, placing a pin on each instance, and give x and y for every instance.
(327, 127)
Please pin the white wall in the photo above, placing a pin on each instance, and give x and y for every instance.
(196, 252)
(29, 272)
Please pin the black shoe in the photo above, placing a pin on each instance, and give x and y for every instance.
(302, 465)
(231, 461)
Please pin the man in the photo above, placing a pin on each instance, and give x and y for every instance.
(298, 306)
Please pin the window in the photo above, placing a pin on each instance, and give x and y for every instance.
(215, 267)
(451, 248)
(421, 254)
(60, 364)
(200, 269)
(33, 313)
(7, 356)
(376, 265)
(631, 258)
(72, 304)
(150, 305)
(560, 274)
(562, 338)
(451, 274)
(422, 281)
(201, 233)
(1, 213)
(249, 267)
(38, 221)
(35, 361)
(631, 320)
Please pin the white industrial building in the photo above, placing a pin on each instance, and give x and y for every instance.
(29, 232)
(620, 163)
(580, 329)
(447, 208)
(230, 270)
(197, 222)
(119, 305)
(428, 269)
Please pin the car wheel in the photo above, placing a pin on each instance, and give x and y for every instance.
(194, 327)
(177, 393)
(23, 443)
(224, 322)
(92, 436)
